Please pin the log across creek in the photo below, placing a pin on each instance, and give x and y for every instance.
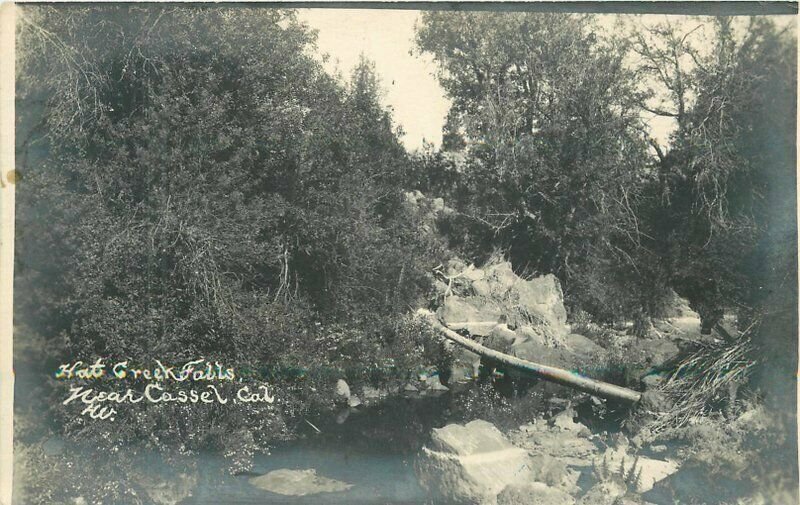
(549, 373)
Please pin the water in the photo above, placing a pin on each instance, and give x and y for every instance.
(373, 449)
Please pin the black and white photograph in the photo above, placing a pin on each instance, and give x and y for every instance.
(399, 253)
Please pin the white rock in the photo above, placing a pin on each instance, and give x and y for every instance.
(342, 389)
(371, 393)
(298, 483)
(650, 470)
(471, 463)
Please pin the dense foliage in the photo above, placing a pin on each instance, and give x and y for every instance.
(552, 160)
(207, 190)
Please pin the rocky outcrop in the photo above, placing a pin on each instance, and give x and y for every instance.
(505, 312)
(471, 463)
(482, 296)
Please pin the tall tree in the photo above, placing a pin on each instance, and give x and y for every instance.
(726, 182)
(549, 116)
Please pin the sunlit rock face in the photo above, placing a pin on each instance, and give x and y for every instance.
(471, 463)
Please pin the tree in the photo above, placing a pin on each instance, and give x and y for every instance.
(549, 116)
(726, 182)
(208, 190)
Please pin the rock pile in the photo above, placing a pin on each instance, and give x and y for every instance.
(522, 317)
(554, 461)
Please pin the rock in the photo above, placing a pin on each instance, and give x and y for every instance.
(651, 381)
(501, 339)
(412, 197)
(440, 286)
(654, 401)
(606, 492)
(501, 278)
(342, 389)
(543, 295)
(695, 484)
(654, 351)
(465, 366)
(476, 315)
(582, 345)
(541, 439)
(554, 472)
(481, 287)
(530, 334)
(53, 446)
(533, 493)
(455, 267)
(298, 483)
(371, 393)
(677, 307)
(169, 491)
(565, 421)
(410, 388)
(353, 401)
(545, 355)
(649, 470)
(435, 384)
(473, 274)
(471, 463)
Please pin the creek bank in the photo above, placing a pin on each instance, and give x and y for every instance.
(547, 461)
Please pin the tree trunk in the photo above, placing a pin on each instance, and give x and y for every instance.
(549, 373)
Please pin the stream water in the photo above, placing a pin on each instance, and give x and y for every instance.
(373, 449)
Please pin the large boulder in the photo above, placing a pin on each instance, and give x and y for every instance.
(471, 463)
(428, 209)
(477, 299)
(479, 316)
(502, 338)
(543, 297)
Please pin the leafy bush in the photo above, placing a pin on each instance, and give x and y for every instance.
(208, 190)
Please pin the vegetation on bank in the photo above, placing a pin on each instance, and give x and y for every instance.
(195, 184)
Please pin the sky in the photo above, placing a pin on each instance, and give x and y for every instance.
(412, 92)
(418, 104)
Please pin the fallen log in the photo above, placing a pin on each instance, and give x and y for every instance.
(549, 373)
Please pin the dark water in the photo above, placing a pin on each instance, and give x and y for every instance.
(373, 449)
